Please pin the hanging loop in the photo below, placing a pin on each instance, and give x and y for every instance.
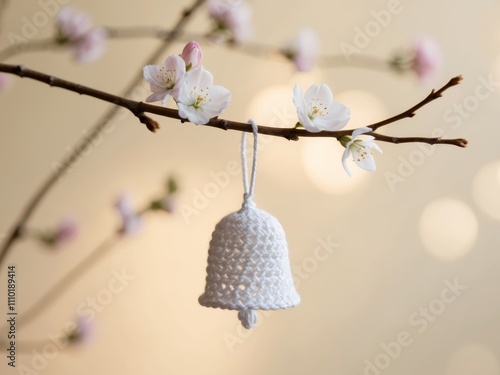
(249, 188)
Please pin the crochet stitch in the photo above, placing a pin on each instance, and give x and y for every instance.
(248, 266)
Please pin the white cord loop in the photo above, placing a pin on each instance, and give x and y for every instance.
(248, 267)
(249, 189)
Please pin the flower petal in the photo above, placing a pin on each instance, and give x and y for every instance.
(302, 111)
(375, 146)
(199, 78)
(153, 74)
(359, 131)
(321, 93)
(307, 123)
(345, 156)
(166, 99)
(365, 162)
(194, 115)
(217, 101)
(156, 97)
(298, 100)
(176, 64)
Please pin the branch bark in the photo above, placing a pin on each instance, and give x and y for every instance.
(47, 185)
(139, 109)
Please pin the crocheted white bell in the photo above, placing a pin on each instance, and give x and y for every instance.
(248, 266)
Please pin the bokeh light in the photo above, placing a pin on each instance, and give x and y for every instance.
(322, 161)
(473, 359)
(448, 228)
(365, 108)
(322, 157)
(486, 189)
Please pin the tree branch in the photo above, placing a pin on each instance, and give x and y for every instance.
(253, 48)
(67, 280)
(411, 112)
(95, 132)
(460, 142)
(250, 48)
(35, 45)
(139, 109)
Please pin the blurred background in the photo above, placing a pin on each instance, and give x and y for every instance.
(397, 270)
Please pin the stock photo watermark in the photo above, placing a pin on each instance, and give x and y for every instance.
(30, 26)
(86, 310)
(301, 272)
(139, 93)
(418, 322)
(363, 36)
(201, 197)
(455, 116)
(471, 103)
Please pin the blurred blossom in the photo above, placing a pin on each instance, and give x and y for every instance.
(191, 54)
(428, 58)
(318, 111)
(361, 150)
(235, 16)
(72, 23)
(304, 50)
(75, 29)
(91, 47)
(131, 222)
(169, 201)
(83, 333)
(170, 204)
(65, 232)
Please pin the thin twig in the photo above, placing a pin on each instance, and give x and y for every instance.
(460, 142)
(358, 61)
(139, 109)
(411, 112)
(253, 48)
(32, 46)
(68, 280)
(250, 48)
(95, 132)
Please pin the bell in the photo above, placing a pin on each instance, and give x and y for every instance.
(248, 266)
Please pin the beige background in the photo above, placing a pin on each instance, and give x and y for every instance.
(398, 249)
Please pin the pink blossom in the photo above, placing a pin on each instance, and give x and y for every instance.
(304, 50)
(191, 54)
(235, 16)
(166, 80)
(83, 333)
(91, 46)
(66, 231)
(428, 58)
(170, 204)
(131, 222)
(75, 29)
(72, 23)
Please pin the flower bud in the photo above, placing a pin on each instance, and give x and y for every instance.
(191, 54)
(428, 58)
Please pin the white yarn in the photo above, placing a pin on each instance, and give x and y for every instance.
(249, 189)
(248, 266)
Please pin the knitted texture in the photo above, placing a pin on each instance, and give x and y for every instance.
(248, 266)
